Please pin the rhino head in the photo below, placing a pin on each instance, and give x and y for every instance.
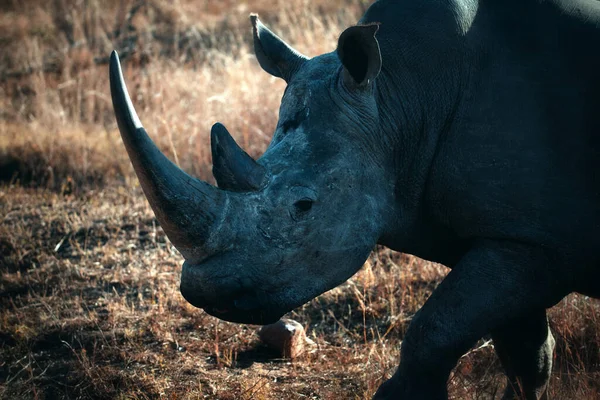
(300, 220)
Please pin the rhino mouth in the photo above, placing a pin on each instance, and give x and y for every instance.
(238, 311)
(224, 297)
(255, 317)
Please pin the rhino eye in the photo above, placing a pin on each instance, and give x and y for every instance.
(303, 205)
(290, 124)
(306, 198)
(294, 122)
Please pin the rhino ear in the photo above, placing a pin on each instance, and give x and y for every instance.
(360, 55)
(274, 55)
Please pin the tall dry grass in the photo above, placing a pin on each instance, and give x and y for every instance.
(89, 301)
(186, 65)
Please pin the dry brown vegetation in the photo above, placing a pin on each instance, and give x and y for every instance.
(89, 300)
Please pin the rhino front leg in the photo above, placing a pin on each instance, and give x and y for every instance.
(494, 282)
(525, 347)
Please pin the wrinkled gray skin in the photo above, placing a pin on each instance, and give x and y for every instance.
(464, 132)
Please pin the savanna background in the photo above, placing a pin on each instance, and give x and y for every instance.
(89, 300)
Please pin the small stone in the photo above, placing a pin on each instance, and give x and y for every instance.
(286, 336)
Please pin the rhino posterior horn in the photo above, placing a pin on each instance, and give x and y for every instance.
(233, 168)
(186, 207)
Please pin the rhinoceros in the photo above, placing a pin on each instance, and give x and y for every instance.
(464, 132)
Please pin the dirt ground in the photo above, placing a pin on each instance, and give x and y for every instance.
(90, 308)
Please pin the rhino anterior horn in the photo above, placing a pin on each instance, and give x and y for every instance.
(185, 206)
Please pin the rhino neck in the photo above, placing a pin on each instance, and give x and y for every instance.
(419, 93)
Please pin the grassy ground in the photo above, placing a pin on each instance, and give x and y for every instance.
(89, 300)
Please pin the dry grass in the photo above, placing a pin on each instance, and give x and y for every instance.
(89, 300)
(178, 97)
